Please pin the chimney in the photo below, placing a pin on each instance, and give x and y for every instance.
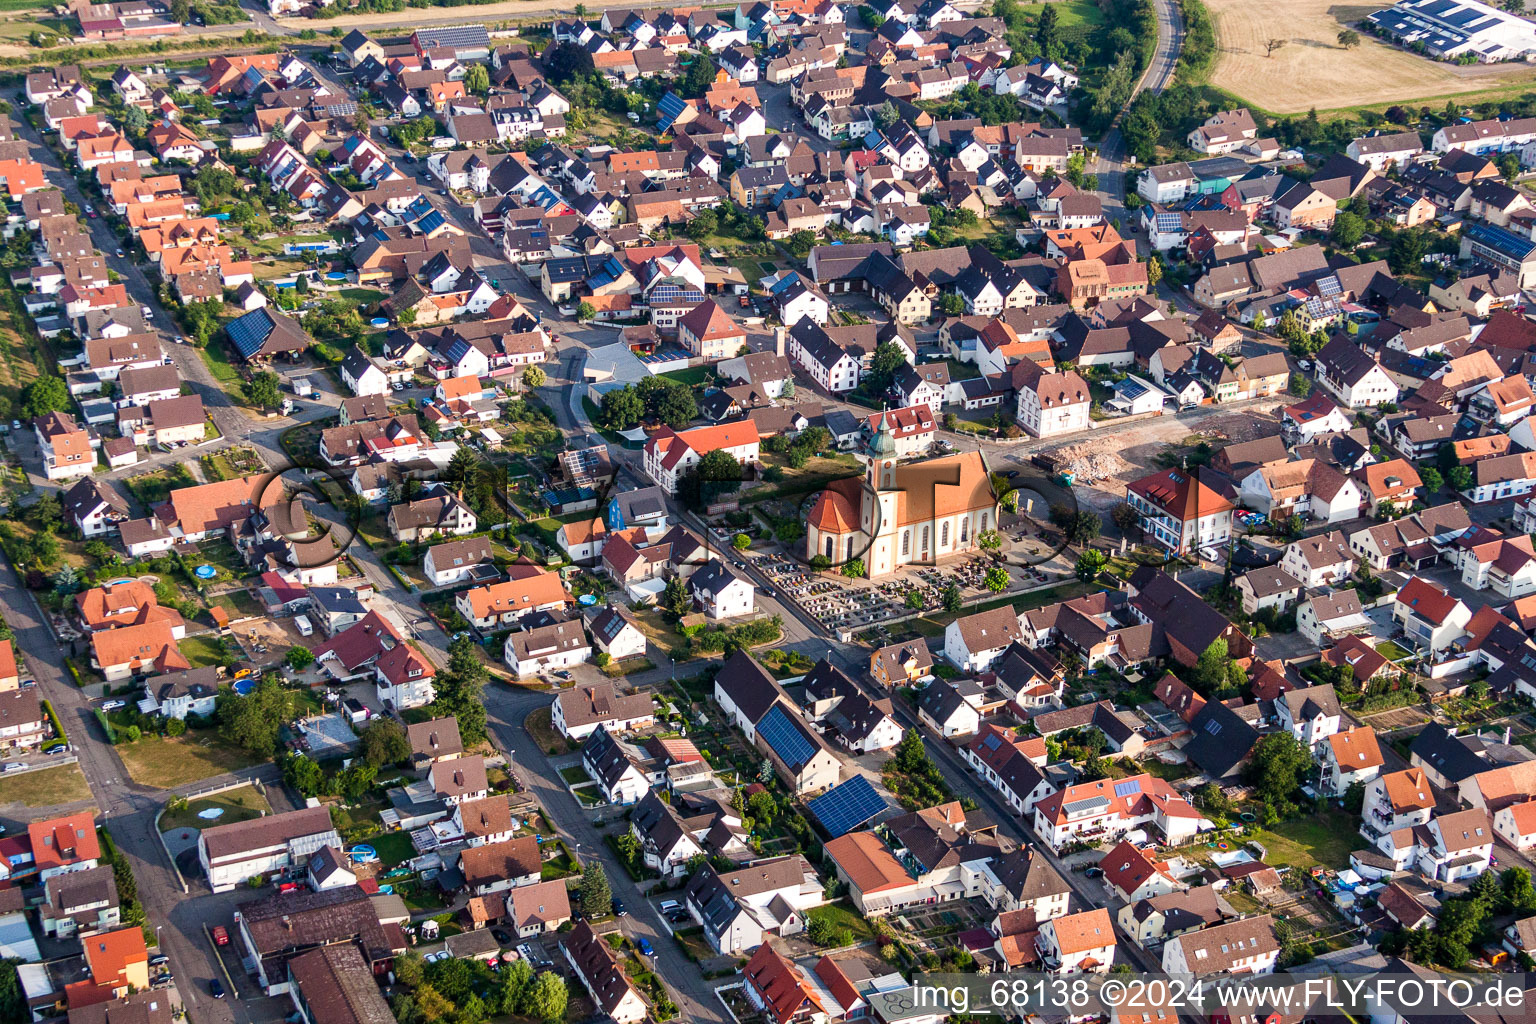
(287, 923)
(778, 340)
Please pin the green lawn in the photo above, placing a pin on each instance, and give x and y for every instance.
(933, 625)
(1392, 651)
(1324, 839)
(394, 848)
(153, 488)
(202, 650)
(238, 805)
(238, 603)
(165, 762)
(575, 774)
(61, 785)
(961, 371)
(222, 366)
(363, 296)
(841, 915)
(692, 376)
(1069, 13)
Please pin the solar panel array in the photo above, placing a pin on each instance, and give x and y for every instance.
(845, 807)
(779, 732)
(1128, 788)
(248, 332)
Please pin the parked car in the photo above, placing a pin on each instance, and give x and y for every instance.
(113, 705)
(501, 936)
(12, 766)
(645, 946)
(156, 961)
(618, 907)
(220, 935)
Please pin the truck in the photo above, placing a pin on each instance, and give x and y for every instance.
(220, 935)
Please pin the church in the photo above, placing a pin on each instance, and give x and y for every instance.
(896, 515)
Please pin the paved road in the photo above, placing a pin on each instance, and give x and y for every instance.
(507, 707)
(1111, 166)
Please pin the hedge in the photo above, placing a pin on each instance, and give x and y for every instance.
(53, 720)
(106, 727)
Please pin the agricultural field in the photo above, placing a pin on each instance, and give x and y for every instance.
(1312, 71)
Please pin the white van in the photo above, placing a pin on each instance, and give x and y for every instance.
(303, 625)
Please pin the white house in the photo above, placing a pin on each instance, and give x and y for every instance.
(1349, 757)
(1074, 943)
(1430, 615)
(363, 375)
(1516, 824)
(1311, 714)
(1245, 946)
(452, 562)
(973, 642)
(720, 592)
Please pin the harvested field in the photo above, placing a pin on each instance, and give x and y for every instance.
(1312, 71)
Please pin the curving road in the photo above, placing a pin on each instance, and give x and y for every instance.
(1110, 166)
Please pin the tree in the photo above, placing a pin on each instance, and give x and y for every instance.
(951, 304)
(1080, 527)
(989, 540)
(264, 390)
(741, 542)
(547, 998)
(821, 563)
(1210, 670)
(800, 243)
(384, 742)
(888, 357)
(1509, 166)
(135, 120)
(1045, 31)
(951, 598)
(1431, 478)
(996, 579)
(699, 77)
(675, 597)
(854, 568)
(181, 11)
(1271, 45)
(534, 377)
(43, 396)
(886, 115)
(585, 312)
(477, 79)
(1348, 229)
(1407, 252)
(1155, 268)
(252, 721)
(1090, 563)
(1300, 386)
(300, 658)
(1349, 38)
(914, 601)
(1460, 477)
(872, 18)
(47, 512)
(303, 774)
(595, 897)
(1125, 517)
(460, 689)
(566, 61)
(66, 580)
(621, 409)
(1275, 770)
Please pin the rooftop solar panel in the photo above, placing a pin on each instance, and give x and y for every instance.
(845, 807)
(248, 332)
(1128, 788)
(779, 732)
